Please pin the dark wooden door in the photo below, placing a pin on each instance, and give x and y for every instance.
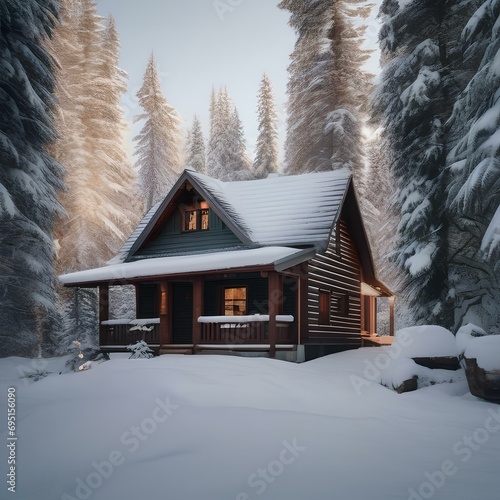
(182, 313)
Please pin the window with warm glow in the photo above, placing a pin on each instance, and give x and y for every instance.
(196, 220)
(204, 219)
(235, 301)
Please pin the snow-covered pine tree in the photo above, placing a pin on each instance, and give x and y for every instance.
(351, 85)
(158, 142)
(195, 148)
(217, 154)
(419, 44)
(213, 146)
(309, 87)
(266, 151)
(474, 181)
(327, 86)
(238, 166)
(226, 157)
(29, 177)
(100, 199)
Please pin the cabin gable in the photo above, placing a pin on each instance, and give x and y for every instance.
(189, 225)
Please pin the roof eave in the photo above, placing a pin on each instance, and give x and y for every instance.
(295, 259)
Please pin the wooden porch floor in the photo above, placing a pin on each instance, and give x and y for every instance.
(368, 340)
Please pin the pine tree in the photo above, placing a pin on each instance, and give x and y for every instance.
(327, 86)
(351, 85)
(421, 77)
(226, 156)
(266, 154)
(238, 166)
(195, 149)
(217, 155)
(309, 87)
(474, 183)
(29, 177)
(100, 199)
(158, 142)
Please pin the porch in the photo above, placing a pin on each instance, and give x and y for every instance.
(252, 311)
(217, 333)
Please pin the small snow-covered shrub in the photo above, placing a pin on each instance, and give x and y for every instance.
(82, 356)
(35, 374)
(140, 350)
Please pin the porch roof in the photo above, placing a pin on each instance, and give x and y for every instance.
(279, 258)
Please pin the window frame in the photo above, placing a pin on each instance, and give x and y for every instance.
(324, 315)
(342, 305)
(198, 219)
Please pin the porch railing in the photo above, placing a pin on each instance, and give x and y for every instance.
(236, 330)
(120, 332)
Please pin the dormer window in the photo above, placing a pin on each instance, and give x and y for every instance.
(197, 219)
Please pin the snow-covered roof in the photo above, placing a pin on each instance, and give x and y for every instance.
(278, 257)
(296, 210)
(281, 210)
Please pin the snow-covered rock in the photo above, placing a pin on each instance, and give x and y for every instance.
(486, 350)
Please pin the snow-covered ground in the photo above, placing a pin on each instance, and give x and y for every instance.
(222, 427)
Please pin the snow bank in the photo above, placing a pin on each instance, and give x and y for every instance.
(400, 371)
(486, 350)
(419, 342)
(245, 429)
(426, 341)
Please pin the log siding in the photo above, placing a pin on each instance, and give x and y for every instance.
(336, 271)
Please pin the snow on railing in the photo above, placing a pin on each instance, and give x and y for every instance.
(125, 321)
(254, 318)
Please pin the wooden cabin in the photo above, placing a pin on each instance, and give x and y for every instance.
(279, 266)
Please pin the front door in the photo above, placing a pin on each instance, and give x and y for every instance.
(182, 313)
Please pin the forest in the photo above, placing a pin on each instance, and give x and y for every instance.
(422, 142)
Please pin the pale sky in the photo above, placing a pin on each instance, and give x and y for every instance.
(201, 43)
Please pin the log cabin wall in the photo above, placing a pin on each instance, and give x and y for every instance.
(334, 294)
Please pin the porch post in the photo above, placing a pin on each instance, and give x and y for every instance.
(197, 308)
(164, 319)
(373, 315)
(303, 303)
(363, 325)
(275, 299)
(391, 315)
(103, 312)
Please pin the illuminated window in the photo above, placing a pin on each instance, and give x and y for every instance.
(235, 301)
(204, 219)
(196, 220)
